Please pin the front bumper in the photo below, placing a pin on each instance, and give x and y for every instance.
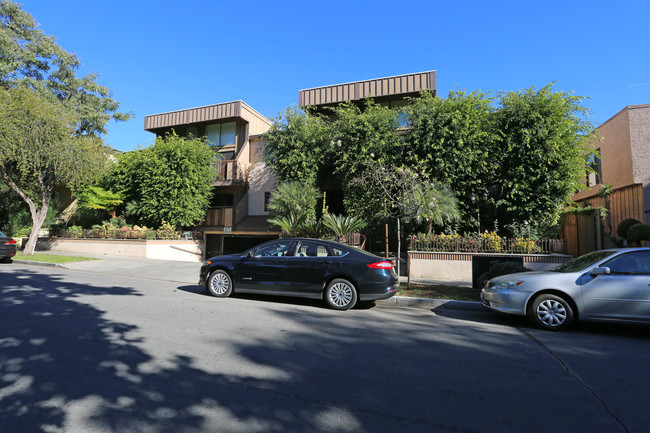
(505, 300)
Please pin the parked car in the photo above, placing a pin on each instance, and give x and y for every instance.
(607, 285)
(309, 268)
(7, 248)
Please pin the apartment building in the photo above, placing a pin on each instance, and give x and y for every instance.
(237, 215)
(624, 164)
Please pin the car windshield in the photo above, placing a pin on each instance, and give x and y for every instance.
(583, 262)
(2, 235)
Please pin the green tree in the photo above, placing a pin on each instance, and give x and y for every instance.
(436, 204)
(452, 139)
(95, 197)
(298, 145)
(168, 181)
(31, 58)
(543, 150)
(56, 142)
(39, 150)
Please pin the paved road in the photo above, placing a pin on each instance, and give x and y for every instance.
(91, 352)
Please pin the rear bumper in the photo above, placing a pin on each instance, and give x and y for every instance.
(380, 289)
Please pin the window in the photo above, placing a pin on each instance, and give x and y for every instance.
(311, 249)
(630, 263)
(222, 200)
(221, 134)
(267, 199)
(275, 249)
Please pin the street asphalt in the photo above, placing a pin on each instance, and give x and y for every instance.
(188, 273)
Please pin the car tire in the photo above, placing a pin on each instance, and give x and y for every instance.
(219, 284)
(341, 294)
(6, 260)
(550, 312)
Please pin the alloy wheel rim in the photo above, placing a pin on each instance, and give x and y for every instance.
(341, 294)
(551, 312)
(220, 283)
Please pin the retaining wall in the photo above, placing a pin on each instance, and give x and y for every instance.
(181, 250)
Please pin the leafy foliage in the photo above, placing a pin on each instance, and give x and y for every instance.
(95, 197)
(341, 225)
(31, 58)
(624, 226)
(497, 269)
(638, 232)
(169, 181)
(543, 147)
(39, 150)
(297, 145)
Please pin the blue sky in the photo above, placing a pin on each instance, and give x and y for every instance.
(159, 56)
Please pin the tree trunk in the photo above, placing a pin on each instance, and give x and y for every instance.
(399, 247)
(38, 216)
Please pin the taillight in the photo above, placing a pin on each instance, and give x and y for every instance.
(381, 265)
(11, 242)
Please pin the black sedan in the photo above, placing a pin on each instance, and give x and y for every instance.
(7, 248)
(307, 268)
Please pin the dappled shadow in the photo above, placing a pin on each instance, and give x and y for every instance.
(271, 366)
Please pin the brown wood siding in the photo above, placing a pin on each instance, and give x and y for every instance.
(227, 110)
(380, 87)
(626, 202)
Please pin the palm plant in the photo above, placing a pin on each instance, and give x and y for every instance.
(436, 204)
(289, 225)
(342, 226)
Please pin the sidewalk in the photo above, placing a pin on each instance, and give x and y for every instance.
(188, 273)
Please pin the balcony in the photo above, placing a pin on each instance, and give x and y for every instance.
(229, 173)
(220, 217)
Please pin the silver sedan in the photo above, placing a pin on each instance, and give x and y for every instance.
(609, 285)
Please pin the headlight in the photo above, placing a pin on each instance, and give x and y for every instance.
(207, 262)
(505, 285)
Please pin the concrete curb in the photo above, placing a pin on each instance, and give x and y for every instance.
(429, 303)
(35, 263)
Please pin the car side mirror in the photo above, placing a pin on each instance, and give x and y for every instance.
(600, 271)
(250, 255)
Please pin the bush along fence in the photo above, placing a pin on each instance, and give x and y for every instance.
(488, 242)
(134, 232)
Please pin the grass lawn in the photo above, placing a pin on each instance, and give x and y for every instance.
(50, 258)
(440, 292)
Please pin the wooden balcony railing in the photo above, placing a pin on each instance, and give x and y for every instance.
(220, 217)
(227, 171)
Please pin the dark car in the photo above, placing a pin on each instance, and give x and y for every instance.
(307, 268)
(7, 248)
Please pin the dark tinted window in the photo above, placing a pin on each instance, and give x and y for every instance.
(637, 262)
(274, 249)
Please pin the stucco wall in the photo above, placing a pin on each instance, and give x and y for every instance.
(260, 180)
(187, 251)
(640, 143)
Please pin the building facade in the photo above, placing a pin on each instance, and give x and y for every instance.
(237, 215)
(237, 218)
(624, 164)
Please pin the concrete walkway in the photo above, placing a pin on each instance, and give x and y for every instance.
(188, 273)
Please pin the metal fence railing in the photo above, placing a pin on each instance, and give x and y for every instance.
(487, 244)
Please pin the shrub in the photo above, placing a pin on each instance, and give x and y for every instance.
(500, 268)
(638, 232)
(624, 226)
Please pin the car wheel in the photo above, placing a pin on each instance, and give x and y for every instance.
(219, 284)
(6, 260)
(550, 312)
(341, 294)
